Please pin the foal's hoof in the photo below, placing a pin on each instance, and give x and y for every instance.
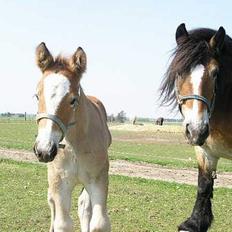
(186, 230)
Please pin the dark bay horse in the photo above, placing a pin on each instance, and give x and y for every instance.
(199, 80)
(159, 121)
(66, 114)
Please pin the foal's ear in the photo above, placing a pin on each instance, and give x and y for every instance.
(44, 58)
(217, 41)
(181, 33)
(78, 61)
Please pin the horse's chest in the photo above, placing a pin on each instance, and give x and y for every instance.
(220, 148)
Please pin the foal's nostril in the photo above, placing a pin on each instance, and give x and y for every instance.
(37, 153)
(53, 150)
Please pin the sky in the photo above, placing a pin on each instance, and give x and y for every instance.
(128, 45)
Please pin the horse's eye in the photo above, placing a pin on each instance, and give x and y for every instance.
(214, 73)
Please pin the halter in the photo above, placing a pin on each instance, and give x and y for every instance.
(209, 104)
(64, 128)
(57, 121)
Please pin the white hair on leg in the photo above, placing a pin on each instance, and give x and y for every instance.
(84, 210)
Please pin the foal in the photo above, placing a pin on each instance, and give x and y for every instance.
(66, 114)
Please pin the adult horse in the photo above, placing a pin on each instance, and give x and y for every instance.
(65, 112)
(159, 121)
(199, 80)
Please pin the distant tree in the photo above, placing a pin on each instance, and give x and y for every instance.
(110, 118)
(121, 117)
(20, 115)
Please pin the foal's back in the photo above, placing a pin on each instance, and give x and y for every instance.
(98, 121)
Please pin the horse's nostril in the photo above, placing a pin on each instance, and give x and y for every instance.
(206, 130)
(187, 132)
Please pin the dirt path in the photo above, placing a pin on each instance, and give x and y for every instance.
(132, 169)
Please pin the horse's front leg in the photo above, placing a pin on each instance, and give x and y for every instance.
(202, 215)
(98, 191)
(59, 199)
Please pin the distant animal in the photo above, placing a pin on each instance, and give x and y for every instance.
(137, 123)
(159, 121)
(134, 121)
(199, 81)
(67, 115)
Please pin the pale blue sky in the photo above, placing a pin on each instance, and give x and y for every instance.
(127, 43)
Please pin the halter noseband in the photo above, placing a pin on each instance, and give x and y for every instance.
(57, 121)
(181, 99)
(64, 128)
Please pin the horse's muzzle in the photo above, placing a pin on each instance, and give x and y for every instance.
(197, 136)
(47, 155)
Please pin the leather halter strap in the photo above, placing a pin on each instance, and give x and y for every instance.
(57, 121)
(181, 99)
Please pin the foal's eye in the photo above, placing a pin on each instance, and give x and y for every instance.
(73, 102)
(37, 97)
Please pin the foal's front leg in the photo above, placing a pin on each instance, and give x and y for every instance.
(98, 191)
(59, 199)
(202, 215)
(84, 210)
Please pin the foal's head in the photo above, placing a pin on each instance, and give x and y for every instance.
(58, 95)
(192, 76)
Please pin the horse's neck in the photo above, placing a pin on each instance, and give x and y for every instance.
(223, 104)
(222, 115)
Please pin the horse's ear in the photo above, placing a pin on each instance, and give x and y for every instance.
(44, 58)
(217, 41)
(181, 33)
(78, 61)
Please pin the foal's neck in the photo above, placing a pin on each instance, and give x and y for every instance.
(79, 131)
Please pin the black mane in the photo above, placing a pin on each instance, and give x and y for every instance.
(190, 52)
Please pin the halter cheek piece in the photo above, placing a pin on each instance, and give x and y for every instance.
(181, 99)
(64, 128)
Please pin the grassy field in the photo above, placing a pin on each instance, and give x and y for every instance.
(149, 143)
(135, 205)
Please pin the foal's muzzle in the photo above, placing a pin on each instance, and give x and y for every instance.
(197, 135)
(47, 155)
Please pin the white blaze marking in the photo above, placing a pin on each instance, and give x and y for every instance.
(193, 115)
(56, 86)
(196, 79)
(197, 74)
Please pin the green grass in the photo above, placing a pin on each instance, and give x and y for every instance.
(158, 147)
(135, 205)
(163, 154)
(18, 135)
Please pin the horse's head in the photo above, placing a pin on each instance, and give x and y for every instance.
(58, 93)
(196, 80)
